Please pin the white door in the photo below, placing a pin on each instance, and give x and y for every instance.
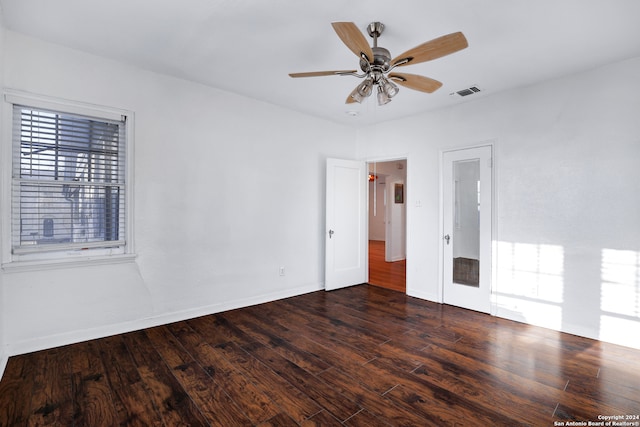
(346, 224)
(467, 218)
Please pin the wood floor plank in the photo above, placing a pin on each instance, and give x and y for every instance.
(331, 353)
(218, 330)
(445, 408)
(417, 313)
(376, 403)
(270, 334)
(327, 397)
(625, 376)
(357, 356)
(332, 339)
(365, 418)
(280, 420)
(213, 402)
(370, 316)
(527, 364)
(166, 393)
(470, 383)
(515, 394)
(341, 314)
(380, 368)
(321, 419)
(51, 402)
(607, 392)
(93, 401)
(249, 398)
(330, 323)
(294, 402)
(367, 377)
(16, 390)
(133, 405)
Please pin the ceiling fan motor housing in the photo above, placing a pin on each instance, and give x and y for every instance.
(381, 60)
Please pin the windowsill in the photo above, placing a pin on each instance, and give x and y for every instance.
(22, 266)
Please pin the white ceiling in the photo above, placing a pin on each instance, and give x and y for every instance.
(249, 46)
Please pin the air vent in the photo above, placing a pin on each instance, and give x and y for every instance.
(467, 91)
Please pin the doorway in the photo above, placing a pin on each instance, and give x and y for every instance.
(467, 194)
(387, 224)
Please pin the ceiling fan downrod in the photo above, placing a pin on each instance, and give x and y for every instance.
(375, 29)
(381, 60)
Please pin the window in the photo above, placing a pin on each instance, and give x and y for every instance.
(68, 184)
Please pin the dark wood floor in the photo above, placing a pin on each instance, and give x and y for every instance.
(390, 275)
(360, 356)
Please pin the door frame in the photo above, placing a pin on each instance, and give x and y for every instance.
(492, 263)
(407, 187)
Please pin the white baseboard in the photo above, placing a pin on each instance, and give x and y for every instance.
(423, 295)
(51, 341)
(4, 358)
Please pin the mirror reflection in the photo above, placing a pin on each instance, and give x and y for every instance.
(466, 233)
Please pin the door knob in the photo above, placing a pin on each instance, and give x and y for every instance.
(447, 238)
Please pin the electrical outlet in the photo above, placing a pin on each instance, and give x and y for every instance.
(281, 270)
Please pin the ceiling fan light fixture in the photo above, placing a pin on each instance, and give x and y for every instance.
(366, 87)
(390, 89)
(363, 90)
(356, 96)
(383, 97)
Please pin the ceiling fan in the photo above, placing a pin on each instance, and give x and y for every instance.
(377, 65)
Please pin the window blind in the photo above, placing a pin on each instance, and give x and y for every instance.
(68, 181)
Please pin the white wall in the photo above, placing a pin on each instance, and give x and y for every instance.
(567, 198)
(227, 190)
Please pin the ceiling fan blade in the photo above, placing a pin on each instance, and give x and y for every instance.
(415, 82)
(433, 49)
(322, 73)
(353, 38)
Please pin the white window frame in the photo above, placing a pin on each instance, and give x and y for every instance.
(64, 257)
